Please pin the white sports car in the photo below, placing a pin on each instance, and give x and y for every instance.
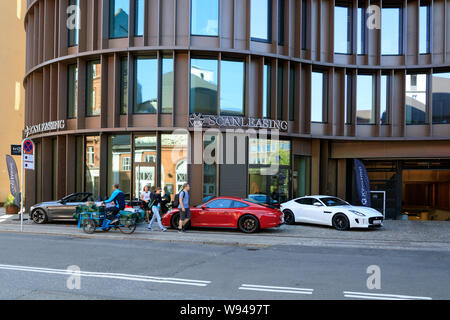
(330, 211)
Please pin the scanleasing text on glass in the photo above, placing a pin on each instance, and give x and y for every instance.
(200, 120)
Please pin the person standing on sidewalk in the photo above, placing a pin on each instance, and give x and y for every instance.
(146, 198)
(185, 211)
(156, 207)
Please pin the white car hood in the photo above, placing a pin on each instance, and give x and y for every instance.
(369, 212)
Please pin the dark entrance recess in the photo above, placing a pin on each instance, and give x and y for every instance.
(414, 187)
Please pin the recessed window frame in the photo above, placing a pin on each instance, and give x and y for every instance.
(427, 5)
(349, 22)
(192, 19)
(324, 96)
(427, 92)
(394, 5)
(269, 23)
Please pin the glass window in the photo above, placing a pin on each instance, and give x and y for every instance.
(384, 100)
(365, 103)
(267, 90)
(232, 87)
(146, 85)
(441, 98)
(348, 115)
(118, 18)
(317, 97)
(306, 201)
(304, 24)
(239, 204)
(139, 18)
(361, 28)
(94, 89)
(167, 85)
(174, 165)
(55, 168)
(280, 92)
(292, 89)
(302, 176)
(79, 164)
(391, 31)
(281, 22)
(92, 165)
(204, 76)
(124, 86)
(72, 94)
(73, 33)
(205, 17)
(416, 98)
(343, 27)
(119, 163)
(424, 28)
(261, 20)
(145, 163)
(220, 204)
(268, 152)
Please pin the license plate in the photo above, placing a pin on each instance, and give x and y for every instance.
(377, 222)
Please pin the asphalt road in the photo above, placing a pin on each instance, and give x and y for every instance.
(34, 267)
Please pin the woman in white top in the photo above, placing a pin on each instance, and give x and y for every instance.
(146, 198)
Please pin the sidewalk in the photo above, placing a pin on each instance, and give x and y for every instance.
(403, 235)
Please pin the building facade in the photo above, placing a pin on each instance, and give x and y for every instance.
(138, 81)
(12, 70)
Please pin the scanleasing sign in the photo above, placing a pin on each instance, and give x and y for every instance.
(44, 127)
(200, 120)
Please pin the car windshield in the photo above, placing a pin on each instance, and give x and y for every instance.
(333, 202)
(261, 203)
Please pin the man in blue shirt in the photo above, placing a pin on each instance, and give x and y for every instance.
(185, 211)
(118, 198)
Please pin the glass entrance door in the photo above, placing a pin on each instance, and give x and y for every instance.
(271, 189)
(145, 163)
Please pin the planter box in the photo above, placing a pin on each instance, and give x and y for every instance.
(12, 210)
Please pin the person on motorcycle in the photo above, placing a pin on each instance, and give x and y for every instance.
(118, 197)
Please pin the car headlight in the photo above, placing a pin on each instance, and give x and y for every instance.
(357, 213)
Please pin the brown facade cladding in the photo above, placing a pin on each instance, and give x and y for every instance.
(167, 31)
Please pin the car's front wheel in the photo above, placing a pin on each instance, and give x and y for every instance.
(340, 222)
(289, 217)
(39, 216)
(248, 224)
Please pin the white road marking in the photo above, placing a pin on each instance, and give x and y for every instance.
(254, 287)
(118, 276)
(381, 296)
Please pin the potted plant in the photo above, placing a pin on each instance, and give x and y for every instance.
(10, 205)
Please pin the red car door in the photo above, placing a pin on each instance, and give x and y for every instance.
(216, 213)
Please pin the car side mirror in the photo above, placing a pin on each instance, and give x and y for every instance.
(317, 204)
(203, 207)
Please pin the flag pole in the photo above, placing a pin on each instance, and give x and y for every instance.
(21, 191)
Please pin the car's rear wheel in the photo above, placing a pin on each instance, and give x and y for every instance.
(39, 216)
(340, 222)
(289, 217)
(248, 224)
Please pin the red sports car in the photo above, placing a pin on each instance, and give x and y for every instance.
(229, 212)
